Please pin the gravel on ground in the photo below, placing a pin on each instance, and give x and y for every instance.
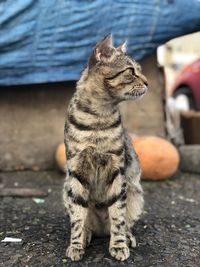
(168, 233)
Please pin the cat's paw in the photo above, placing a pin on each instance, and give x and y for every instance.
(75, 254)
(131, 240)
(88, 238)
(120, 253)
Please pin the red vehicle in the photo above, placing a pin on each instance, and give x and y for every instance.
(188, 83)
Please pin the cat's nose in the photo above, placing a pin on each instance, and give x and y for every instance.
(144, 79)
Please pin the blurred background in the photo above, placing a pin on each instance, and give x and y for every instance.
(44, 45)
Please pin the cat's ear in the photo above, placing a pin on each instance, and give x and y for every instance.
(122, 47)
(101, 50)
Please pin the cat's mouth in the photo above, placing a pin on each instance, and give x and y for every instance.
(136, 93)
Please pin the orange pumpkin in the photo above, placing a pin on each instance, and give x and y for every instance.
(60, 157)
(159, 159)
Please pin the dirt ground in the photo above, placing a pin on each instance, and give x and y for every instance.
(168, 233)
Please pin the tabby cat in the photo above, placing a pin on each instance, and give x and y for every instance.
(102, 191)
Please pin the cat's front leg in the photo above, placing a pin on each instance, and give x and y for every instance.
(117, 213)
(76, 202)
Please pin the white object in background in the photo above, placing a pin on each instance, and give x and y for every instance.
(182, 102)
(11, 239)
(173, 124)
(170, 103)
(38, 200)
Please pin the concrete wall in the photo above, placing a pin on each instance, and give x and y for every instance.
(32, 123)
(32, 119)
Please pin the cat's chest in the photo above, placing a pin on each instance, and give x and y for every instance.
(94, 129)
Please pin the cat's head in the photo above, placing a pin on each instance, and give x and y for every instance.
(121, 75)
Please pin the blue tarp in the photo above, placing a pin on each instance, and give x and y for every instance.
(50, 40)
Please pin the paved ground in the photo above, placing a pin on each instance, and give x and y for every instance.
(168, 234)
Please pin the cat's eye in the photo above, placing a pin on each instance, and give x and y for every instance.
(131, 71)
(139, 67)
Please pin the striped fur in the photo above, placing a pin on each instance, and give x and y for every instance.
(102, 191)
